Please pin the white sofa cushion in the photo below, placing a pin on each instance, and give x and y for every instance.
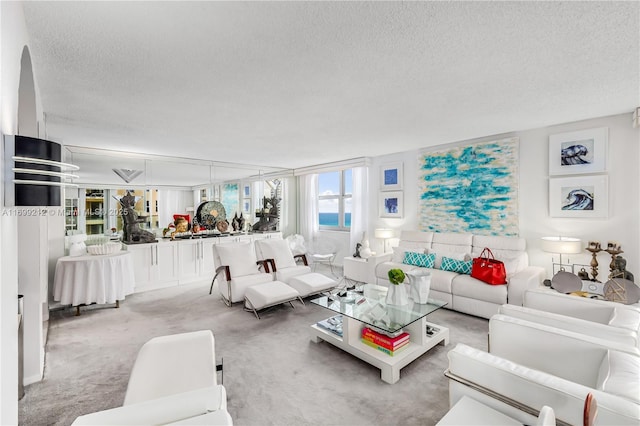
(382, 270)
(625, 318)
(441, 280)
(278, 250)
(446, 244)
(620, 375)
(509, 250)
(399, 252)
(467, 286)
(239, 257)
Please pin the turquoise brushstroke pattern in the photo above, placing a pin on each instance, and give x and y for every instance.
(230, 199)
(470, 188)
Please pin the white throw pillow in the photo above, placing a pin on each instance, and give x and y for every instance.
(279, 251)
(239, 257)
(398, 252)
(619, 374)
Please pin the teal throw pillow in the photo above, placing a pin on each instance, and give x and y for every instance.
(459, 266)
(419, 259)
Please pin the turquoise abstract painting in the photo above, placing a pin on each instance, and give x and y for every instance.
(230, 199)
(472, 188)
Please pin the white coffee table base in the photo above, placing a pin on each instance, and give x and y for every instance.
(389, 366)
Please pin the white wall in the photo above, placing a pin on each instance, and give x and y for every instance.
(622, 225)
(13, 35)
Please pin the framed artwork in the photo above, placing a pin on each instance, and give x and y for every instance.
(391, 177)
(391, 204)
(470, 188)
(246, 190)
(246, 206)
(583, 196)
(580, 152)
(216, 192)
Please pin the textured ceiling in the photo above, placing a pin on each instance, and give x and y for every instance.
(293, 84)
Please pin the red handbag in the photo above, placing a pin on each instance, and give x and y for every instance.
(486, 268)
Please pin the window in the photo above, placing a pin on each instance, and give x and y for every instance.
(334, 200)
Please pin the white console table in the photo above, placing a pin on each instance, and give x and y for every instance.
(363, 270)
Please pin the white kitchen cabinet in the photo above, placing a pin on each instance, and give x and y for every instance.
(170, 263)
(195, 259)
(155, 265)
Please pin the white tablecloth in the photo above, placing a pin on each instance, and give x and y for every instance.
(93, 278)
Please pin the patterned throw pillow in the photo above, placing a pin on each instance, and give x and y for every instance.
(459, 266)
(419, 259)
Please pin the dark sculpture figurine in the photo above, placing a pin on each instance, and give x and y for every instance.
(268, 216)
(620, 269)
(238, 222)
(358, 247)
(132, 233)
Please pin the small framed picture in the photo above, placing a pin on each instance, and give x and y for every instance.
(246, 206)
(391, 177)
(583, 196)
(580, 152)
(391, 204)
(216, 192)
(246, 190)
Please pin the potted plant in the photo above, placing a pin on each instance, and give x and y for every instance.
(397, 293)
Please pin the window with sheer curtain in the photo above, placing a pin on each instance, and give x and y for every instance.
(335, 191)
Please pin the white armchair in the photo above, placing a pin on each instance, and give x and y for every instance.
(613, 314)
(237, 269)
(520, 392)
(285, 268)
(172, 380)
(282, 259)
(172, 364)
(568, 365)
(603, 331)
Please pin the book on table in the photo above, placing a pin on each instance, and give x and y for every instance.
(333, 324)
(387, 351)
(387, 342)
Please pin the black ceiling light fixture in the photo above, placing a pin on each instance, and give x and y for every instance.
(34, 173)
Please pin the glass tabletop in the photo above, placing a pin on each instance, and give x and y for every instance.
(370, 308)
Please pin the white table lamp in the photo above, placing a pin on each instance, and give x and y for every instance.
(384, 234)
(561, 245)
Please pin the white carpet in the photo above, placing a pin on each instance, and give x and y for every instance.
(273, 373)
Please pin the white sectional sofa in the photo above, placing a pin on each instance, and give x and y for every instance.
(462, 292)
(531, 365)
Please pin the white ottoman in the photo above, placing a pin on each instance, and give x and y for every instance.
(268, 294)
(311, 283)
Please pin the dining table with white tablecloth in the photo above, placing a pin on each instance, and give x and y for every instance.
(87, 279)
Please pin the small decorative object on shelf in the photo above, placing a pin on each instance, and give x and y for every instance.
(397, 293)
(595, 248)
(614, 249)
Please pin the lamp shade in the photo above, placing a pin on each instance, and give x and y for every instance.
(383, 233)
(561, 245)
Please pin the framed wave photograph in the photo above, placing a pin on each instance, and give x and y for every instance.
(583, 197)
(391, 204)
(391, 176)
(580, 152)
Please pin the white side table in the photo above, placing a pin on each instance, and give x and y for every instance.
(363, 270)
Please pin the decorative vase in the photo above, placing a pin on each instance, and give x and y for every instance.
(365, 250)
(397, 295)
(78, 246)
(419, 285)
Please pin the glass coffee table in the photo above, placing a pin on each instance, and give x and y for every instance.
(356, 310)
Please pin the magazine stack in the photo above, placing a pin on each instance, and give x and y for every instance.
(386, 344)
